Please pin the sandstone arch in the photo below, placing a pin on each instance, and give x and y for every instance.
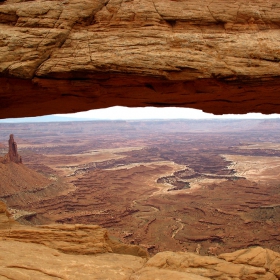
(219, 56)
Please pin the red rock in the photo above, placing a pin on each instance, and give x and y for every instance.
(12, 155)
(67, 56)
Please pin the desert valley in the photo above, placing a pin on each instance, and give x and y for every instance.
(206, 186)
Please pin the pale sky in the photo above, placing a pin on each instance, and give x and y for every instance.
(144, 113)
(121, 113)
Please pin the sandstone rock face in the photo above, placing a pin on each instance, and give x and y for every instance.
(219, 56)
(73, 239)
(13, 155)
(215, 268)
(21, 260)
(86, 252)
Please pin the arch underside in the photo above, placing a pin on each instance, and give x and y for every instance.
(218, 56)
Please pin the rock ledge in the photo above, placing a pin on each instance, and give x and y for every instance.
(86, 252)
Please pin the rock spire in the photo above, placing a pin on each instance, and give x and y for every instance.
(12, 155)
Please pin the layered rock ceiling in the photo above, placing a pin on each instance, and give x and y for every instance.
(221, 56)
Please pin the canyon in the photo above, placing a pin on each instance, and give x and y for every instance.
(163, 185)
(201, 189)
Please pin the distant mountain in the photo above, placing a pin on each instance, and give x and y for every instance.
(50, 118)
(53, 118)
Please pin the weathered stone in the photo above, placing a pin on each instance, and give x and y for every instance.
(73, 239)
(12, 155)
(20, 260)
(210, 267)
(219, 56)
(18, 180)
(257, 257)
(86, 252)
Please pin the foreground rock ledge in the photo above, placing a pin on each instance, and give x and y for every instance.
(86, 252)
(221, 56)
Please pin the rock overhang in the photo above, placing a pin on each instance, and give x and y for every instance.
(219, 56)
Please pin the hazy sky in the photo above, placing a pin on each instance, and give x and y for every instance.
(118, 112)
(124, 113)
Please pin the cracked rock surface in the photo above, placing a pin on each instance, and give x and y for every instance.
(216, 55)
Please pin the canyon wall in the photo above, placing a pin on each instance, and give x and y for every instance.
(66, 56)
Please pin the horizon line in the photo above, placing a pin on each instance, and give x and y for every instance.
(120, 113)
(26, 120)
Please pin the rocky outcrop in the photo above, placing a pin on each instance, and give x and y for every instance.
(21, 260)
(72, 239)
(20, 185)
(255, 263)
(65, 56)
(86, 252)
(12, 155)
(18, 182)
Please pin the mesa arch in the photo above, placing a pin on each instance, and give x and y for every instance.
(221, 56)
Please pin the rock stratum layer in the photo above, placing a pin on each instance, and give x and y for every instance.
(86, 252)
(65, 56)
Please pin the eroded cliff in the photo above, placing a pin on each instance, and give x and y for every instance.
(12, 155)
(65, 56)
(20, 185)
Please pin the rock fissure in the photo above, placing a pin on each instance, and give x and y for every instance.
(213, 15)
(237, 13)
(156, 10)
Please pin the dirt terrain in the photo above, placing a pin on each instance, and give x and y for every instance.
(211, 186)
